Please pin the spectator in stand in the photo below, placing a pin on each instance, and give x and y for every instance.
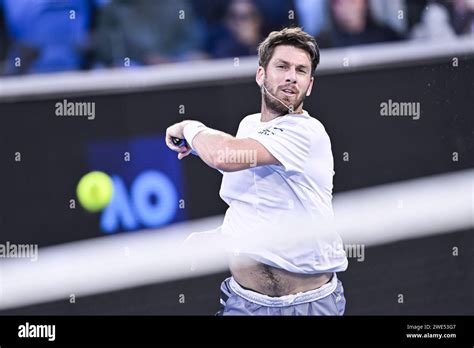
(462, 16)
(414, 11)
(445, 20)
(144, 32)
(3, 39)
(243, 27)
(276, 14)
(434, 23)
(48, 35)
(352, 24)
(211, 13)
(312, 15)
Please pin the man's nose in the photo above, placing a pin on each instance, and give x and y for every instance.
(291, 75)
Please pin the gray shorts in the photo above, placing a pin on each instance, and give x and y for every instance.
(326, 300)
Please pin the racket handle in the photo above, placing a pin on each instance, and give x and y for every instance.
(179, 142)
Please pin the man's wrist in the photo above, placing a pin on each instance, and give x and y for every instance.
(191, 129)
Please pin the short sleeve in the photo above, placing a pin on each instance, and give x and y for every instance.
(289, 141)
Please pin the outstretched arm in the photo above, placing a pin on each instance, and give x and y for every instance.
(217, 149)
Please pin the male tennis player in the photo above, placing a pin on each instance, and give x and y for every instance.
(290, 175)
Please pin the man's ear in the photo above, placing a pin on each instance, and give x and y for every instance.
(310, 88)
(260, 76)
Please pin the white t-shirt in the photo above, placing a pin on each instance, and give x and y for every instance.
(262, 199)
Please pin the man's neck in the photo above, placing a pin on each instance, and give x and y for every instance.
(269, 114)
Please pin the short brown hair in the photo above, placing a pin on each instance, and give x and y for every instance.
(288, 36)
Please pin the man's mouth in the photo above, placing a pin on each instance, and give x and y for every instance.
(289, 92)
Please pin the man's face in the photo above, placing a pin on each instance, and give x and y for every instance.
(287, 77)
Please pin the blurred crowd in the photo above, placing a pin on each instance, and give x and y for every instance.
(38, 36)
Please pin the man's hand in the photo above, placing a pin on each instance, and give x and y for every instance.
(176, 131)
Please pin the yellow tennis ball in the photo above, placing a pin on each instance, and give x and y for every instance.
(94, 191)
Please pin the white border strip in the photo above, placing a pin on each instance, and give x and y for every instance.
(215, 71)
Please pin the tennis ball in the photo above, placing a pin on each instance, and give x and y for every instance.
(94, 191)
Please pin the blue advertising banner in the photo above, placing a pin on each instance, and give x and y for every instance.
(147, 179)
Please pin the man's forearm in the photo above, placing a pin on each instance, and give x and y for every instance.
(219, 150)
(210, 144)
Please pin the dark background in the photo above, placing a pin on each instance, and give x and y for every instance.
(36, 191)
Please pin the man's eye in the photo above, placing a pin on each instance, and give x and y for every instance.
(280, 66)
